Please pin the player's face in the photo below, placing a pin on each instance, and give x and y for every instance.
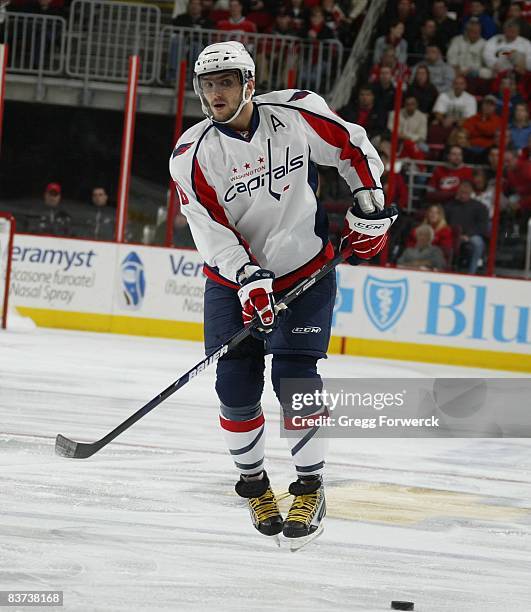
(223, 93)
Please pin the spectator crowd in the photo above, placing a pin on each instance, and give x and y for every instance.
(453, 60)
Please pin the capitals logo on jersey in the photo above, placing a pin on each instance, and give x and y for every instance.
(267, 178)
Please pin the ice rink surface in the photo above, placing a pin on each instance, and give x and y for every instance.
(152, 521)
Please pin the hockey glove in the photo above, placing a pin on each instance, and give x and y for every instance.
(370, 200)
(256, 297)
(365, 233)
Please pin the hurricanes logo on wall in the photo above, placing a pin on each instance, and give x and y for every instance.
(133, 282)
(384, 300)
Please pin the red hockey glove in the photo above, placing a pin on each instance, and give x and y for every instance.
(256, 297)
(365, 233)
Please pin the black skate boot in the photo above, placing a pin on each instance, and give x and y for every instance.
(262, 504)
(308, 509)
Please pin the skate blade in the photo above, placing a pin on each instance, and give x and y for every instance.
(295, 544)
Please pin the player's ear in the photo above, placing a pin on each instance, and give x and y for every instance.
(251, 84)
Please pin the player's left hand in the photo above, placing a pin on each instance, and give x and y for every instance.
(257, 299)
(370, 200)
(365, 234)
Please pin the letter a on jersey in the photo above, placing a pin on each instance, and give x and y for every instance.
(275, 122)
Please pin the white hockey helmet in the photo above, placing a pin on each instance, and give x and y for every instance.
(219, 57)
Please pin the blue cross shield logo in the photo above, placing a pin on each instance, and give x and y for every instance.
(133, 281)
(384, 300)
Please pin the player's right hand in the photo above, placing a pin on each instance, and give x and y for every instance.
(365, 234)
(256, 297)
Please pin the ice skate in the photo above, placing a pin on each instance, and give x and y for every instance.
(304, 521)
(263, 505)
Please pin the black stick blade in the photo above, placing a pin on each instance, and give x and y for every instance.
(73, 450)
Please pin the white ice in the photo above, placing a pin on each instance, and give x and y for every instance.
(152, 521)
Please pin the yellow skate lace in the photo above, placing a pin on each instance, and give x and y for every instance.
(303, 507)
(265, 506)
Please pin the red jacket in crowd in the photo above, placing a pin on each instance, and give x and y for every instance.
(519, 181)
(445, 180)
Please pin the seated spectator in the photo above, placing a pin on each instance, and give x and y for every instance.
(508, 51)
(260, 13)
(216, 10)
(459, 137)
(405, 150)
(209, 12)
(516, 12)
(399, 71)
(518, 186)
(400, 193)
(413, 124)
(283, 25)
(181, 43)
(299, 16)
(100, 222)
(182, 236)
(193, 18)
(488, 25)
(441, 73)
(426, 37)
(55, 221)
(394, 38)
(406, 13)
(465, 53)
(317, 29)
(520, 127)
(334, 16)
(483, 125)
(365, 113)
(471, 218)
(506, 80)
(423, 89)
(445, 180)
(446, 28)
(236, 22)
(384, 91)
(454, 106)
(493, 156)
(443, 237)
(424, 255)
(484, 191)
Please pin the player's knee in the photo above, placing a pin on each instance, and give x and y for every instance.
(240, 382)
(293, 366)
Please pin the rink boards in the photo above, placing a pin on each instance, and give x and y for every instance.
(379, 312)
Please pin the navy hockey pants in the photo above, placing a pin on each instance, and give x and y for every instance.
(300, 340)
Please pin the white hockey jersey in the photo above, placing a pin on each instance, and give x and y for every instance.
(254, 199)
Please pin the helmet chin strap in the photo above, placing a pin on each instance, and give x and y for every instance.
(243, 102)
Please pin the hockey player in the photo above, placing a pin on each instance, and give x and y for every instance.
(247, 180)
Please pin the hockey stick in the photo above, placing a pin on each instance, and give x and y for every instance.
(81, 450)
